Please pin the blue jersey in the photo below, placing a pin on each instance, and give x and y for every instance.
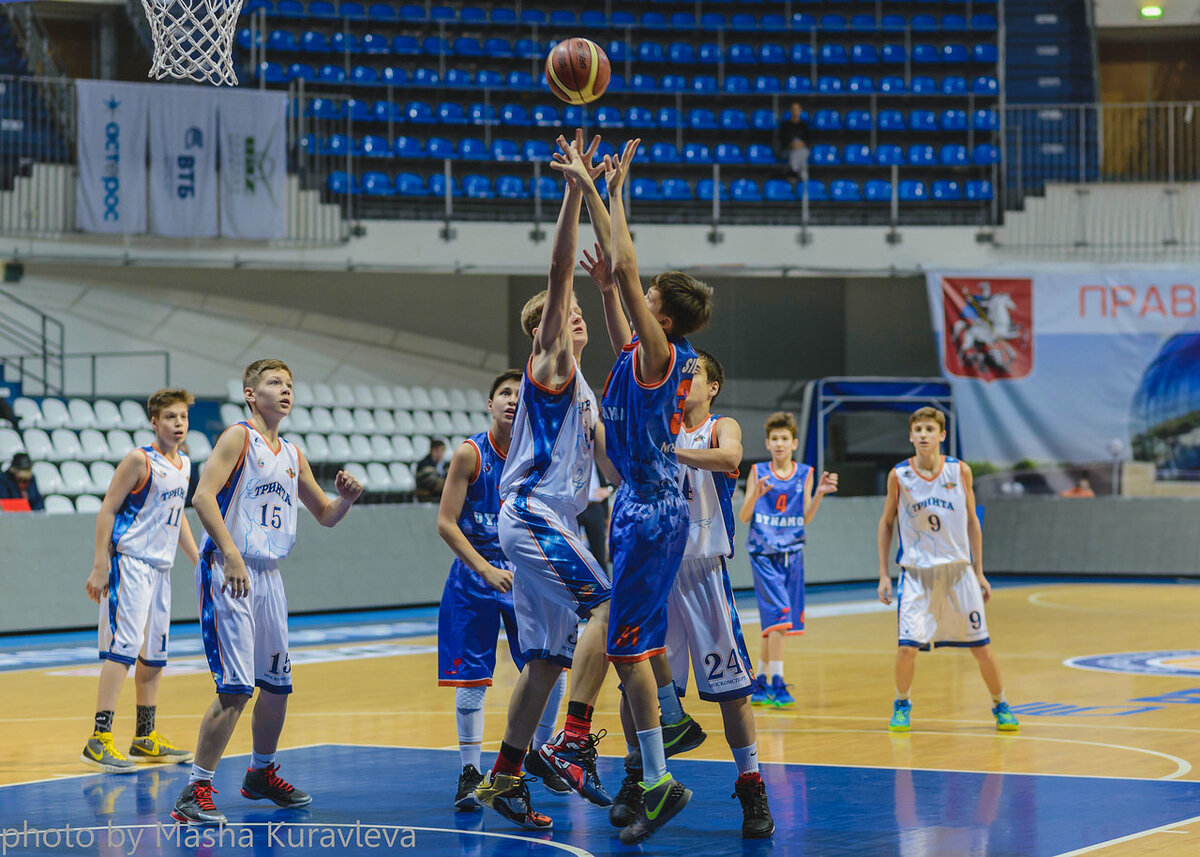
(477, 520)
(778, 523)
(641, 422)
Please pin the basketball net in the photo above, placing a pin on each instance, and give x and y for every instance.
(193, 39)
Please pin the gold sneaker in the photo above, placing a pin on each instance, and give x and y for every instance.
(101, 752)
(155, 748)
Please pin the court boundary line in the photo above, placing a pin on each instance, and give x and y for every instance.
(1162, 828)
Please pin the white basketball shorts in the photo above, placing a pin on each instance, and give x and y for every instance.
(135, 619)
(702, 622)
(941, 606)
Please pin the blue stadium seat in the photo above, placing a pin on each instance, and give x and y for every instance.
(729, 153)
(676, 189)
(922, 85)
(472, 15)
(668, 117)
(374, 146)
(926, 54)
(860, 84)
(359, 111)
(803, 21)
(922, 120)
(864, 55)
(272, 72)
(829, 84)
(985, 120)
(518, 80)
(985, 53)
(375, 44)
(654, 21)
(343, 43)
(734, 119)
(478, 187)
(514, 114)
(664, 153)
(291, 9)
(364, 75)
(954, 23)
(645, 189)
(985, 84)
(704, 83)
(814, 189)
(394, 76)
(412, 12)
(824, 155)
(681, 52)
(563, 18)
(778, 190)
(771, 53)
(858, 155)
(451, 113)
(986, 153)
(983, 21)
(544, 115)
(488, 79)
(387, 111)
(893, 54)
(801, 53)
(443, 13)
(467, 46)
(954, 155)
(425, 77)
(536, 150)
(877, 190)
(863, 23)
(844, 190)
(955, 53)
(505, 150)
(340, 183)
(772, 23)
(482, 114)
(252, 6)
(433, 46)
(705, 187)
(697, 153)
(419, 112)
(701, 118)
(912, 191)
(893, 23)
(322, 10)
(954, 120)
(833, 54)
(954, 84)
(441, 148)
(323, 108)
(497, 48)
(742, 54)
(301, 71)
(737, 84)
(437, 186)
(351, 11)
(616, 83)
(675, 83)
(643, 83)
(651, 52)
(622, 18)
(457, 77)
(798, 84)
(639, 117)
(547, 187)
(946, 190)
(767, 83)
(405, 46)
(743, 22)
(979, 190)
(502, 16)
(328, 74)
(745, 190)
(889, 154)
(922, 155)
(534, 16)
(891, 120)
(609, 117)
(408, 147)
(827, 120)
(712, 21)
(763, 120)
(529, 49)
(709, 53)
(759, 153)
(892, 85)
(593, 19)
(858, 120)
(923, 23)
(245, 40)
(282, 40)
(833, 23)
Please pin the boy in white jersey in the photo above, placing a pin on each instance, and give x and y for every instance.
(942, 589)
(246, 499)
(138, 527)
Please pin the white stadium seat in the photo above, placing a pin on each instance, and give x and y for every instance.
(476, 400)
(364, 396)
(457, 441)
(483, 421)
(75, 478)
(66, 445)
(383, 396)
(302, 394)
(38, 445)
(458, 399)
(296, 440)
(439, 399)
(54, 414)
(94, 444)
(422, 422)
(420, 399)
(81, 414)
(364, 421)
(87, 503)
(385, 423)
(381, 448)
(322, 420)
(143, 437)
(231, 414)
(48, 479)
(359, 472)
(300, 419)
(133, 415)
(316, 448)
(27, 411)
(235, 392)
(404, 422)
(57, 504)
(199, 446)
(378, 477)
(461, 423)
(360, 448)
(119, 443)
(343, 394)
(420, 445)
(442, 424)
(402, 398)
(102, 474)
(108, 415)
(402, 448)
(343, 421)
(339, 449)
(402, 478)
(323, 395)
(10, 443)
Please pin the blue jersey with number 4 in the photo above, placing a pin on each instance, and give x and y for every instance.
(778, 522)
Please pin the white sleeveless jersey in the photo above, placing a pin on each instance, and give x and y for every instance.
(551, 455)
(259, 501)
(710, 531)
(933, 516)
(147, 524)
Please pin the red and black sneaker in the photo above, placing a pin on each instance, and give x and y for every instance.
(756, 813)
(266, 784)
(194, 806)
(508, 794)
(574, 759)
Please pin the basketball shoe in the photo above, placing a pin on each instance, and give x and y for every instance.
(155, 748)
(682, 736)
(101, 752)
(574, 759)
(194, 806)
(508, 794)
(464, 797)
(756, 813)
(660, 803)
(265, 783)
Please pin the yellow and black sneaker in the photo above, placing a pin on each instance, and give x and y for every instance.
(101, 752)
(155, 748)
(508, 794)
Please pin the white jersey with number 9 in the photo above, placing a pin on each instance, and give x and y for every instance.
(933, 516)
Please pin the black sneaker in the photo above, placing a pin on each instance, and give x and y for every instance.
(194, 806)
(536, 765)
(682, 736)
(508, 794)
(756, 814)
(464, 798)
(264, 783)
(574, 759)
(628, 801)
(660, 803)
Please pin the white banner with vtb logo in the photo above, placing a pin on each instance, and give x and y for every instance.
(1072, 365)
(111, 190)
(183, 161)
(193, 132)
(253, 164)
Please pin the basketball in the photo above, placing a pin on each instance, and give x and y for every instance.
(578, 71)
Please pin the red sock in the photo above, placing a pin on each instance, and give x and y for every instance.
(508, 760)
(751, 777)
(579, 720)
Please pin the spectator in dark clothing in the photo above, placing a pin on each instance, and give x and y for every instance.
(7, 414)
(18, 483)
(430, 474)
(796, 137)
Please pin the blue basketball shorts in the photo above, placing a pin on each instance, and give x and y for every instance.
(779, 588)
(469, 627)
(647, 541)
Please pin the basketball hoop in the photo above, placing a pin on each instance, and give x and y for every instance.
(193, 39)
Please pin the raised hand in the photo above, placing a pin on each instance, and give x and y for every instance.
(828, 483)
(575, 162)
(347, 486)
(599, 269)
(616, 169)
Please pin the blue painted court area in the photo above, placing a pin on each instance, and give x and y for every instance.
(398, 800)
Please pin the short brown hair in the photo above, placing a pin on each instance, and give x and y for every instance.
(685, 300)
(531, 313)
(781, 420)
(503, 378)
(713, 369)
(928, 413)
(260, 367)
(166, 397)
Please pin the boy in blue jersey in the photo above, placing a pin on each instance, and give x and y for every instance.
(642, 408)
(138, 527)
(478, 592)
(942, 588)
(779, 502)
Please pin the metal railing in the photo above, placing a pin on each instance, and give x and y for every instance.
(39, 338)
(93, 366)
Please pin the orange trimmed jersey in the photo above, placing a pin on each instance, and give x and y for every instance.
(147, 524)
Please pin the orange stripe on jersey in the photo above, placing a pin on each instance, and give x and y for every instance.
(478, 459)
(633, 659)
(146, 477)
(666, 375)
(548, 390)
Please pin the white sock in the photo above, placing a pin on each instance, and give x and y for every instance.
(776, 668)
(998, 698)
(654, 758)
(468, 713)
(903, 695)
(545, 730)
(258, 761)
(668, 703)
(198, 773)
(762, 669)
(746, 758)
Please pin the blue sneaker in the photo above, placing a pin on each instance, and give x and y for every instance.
(780, 697)
(901, 713)
(762, 694)
(1006, 721)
